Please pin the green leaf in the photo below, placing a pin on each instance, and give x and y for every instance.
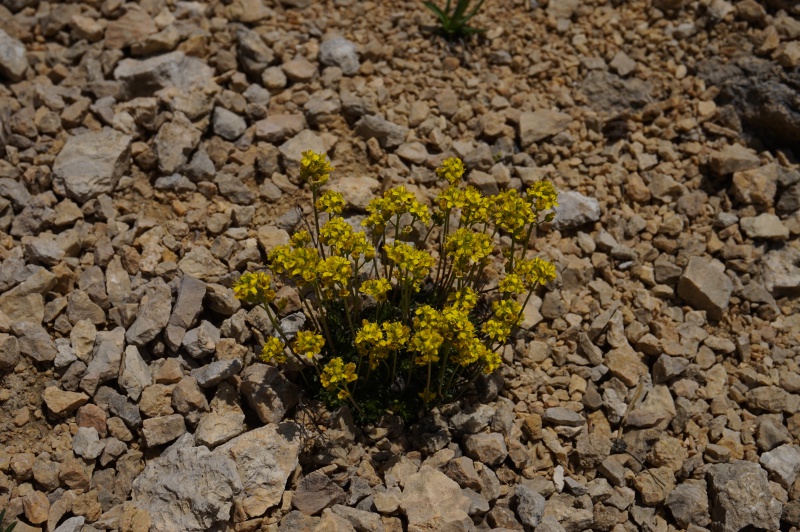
(438, 12)
(461, 8)
(474, 11)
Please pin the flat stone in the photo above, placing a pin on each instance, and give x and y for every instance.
(265, 458)
(431, 501)
(705, 287)
(160, 430)
(734, 158)
(61, 402)
(740, 497)
(780, 271)
(106, 361)
(540, 125)
(175, 69)
(224, 422)
(783, 464)
(153, 314)
(167, 488)
(91, 164)
(315, 492)
(574, 210)
(388, 134)
(278, 127)
(292, 150)
(13, 62)
(135, 375)
(563, 416)
(764, 226)
(341, 53)
(216, 372)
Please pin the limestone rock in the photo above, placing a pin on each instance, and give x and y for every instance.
(91, 164)
(264, 458)
(705, 287)
(574, 210)
(431, 501)
(13, 62)
(740, 497)
(168, 488)
(540, 125)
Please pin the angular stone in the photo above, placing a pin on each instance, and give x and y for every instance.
(540, 125)
(160, 430)
(106, 361)
(62, 403)
(200, 263)
(740, 497)
(168, 488)
(135, 375)
(488, 448)
(264, 458)
(780, 271)
(175, 69)
(153, 314)
(574, 210)
(86, 443)
(268, 392)
(9, 352)
(783, 464)
(91, 164)
(34, 342)
(626, 364)
(530, 505)
(175, 142)
(13, 62)
(431, 501)
(689, 504)
(340, 52)
(764, 226)
(733, 158)
(389, 135)
(705, 287)
(315, 493)
(224, 422)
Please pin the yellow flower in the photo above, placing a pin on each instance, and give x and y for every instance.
(395, 202)
(300, 239)
(368, 336)
(315, 168)
(254, 288)
(464, 299)
(377, 288)
(299, 263)
(511, 284)
(308, 343)
(450, 198)
(413, 264)
(497, 330)
(491, 360)
(512, 213)
(427, 396)
(335, 272)
(466, 247)
(451, 169)
(273, 350)
(331, 202)
(427, 339)
(545, 195)
(535, 271)
(344, 240)
(395, 335)
(507, 311)
(335, 372)
(476, 207)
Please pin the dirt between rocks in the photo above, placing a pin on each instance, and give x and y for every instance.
(149, 154)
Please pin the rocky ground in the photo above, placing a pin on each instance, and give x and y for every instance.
(149, 155)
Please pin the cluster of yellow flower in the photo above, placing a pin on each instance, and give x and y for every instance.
(394, 203)
(335, 374)
(413, 264)
(315, 168)
(444, 329)
(254, 288)
(377, 341)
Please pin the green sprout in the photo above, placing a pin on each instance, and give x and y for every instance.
(454, 19)
(10, 527)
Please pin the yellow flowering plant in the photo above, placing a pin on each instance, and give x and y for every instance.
(402, 311)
